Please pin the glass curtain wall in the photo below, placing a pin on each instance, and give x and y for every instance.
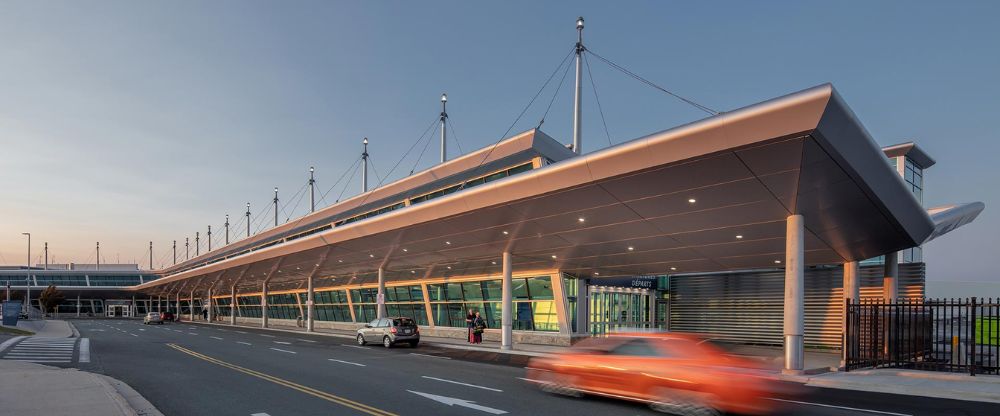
(248, 306)
(222, 306)
(329, 305)
(407, 301)
(534, 307)
(283, 306)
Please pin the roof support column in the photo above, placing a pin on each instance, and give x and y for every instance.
(582, 306)
(191, 305)
(852, 292)
(178, 315)
(507, 304)
(232, 296)
(310, 293)
(263, 304)
(380, 300)
(208, 304)
(890, 283)
(794, 294)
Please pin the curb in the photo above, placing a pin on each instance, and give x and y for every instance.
(907, 391)
(76, 333)
(129, 400)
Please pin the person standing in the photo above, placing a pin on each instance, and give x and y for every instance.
(478, 326)
(469, 318)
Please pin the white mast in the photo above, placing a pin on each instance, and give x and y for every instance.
(578, 100)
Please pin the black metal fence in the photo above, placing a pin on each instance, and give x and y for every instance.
(958, 335)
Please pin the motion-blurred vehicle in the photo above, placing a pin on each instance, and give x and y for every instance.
(390, 331)
(152, 318)
(673, 373)
(166, 316)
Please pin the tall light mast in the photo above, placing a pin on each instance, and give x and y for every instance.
(248, 219)
(364, 172)
(227, 229)
(578, 98)
(444, 128)
(197, 243)
(175, 252)
(209, 238)
(98, 255)
(275, 206)
(312, 189)
(150, 255)
(187, 248)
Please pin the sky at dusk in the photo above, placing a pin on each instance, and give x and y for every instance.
(129, 122)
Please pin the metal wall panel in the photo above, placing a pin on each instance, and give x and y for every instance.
(748, 306)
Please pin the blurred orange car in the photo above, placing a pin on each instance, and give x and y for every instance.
(674, 373)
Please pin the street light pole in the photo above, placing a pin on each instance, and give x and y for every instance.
(197, 243)
(187, 248)
(175, 252)
(27, 282)
(364, 173)
(578, 98)
(444, 128)
(248, 219)
(150, 255)
(209, 238)
(98, 256)
(227, 229)
(46, 255)
(275, 206)
(312, 189)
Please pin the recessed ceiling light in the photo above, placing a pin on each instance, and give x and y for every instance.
(553, 256)
(448, 242)
(777, 262)
(371, 255)
(581, 219)
(494, 263)
(739, 237)
(449, 267)
(413, 271)
(405, 250)
(505, 233)
(297, 268)
(673, 268)
(597, 273)
(630, 248)
(692, 200)
(340, 261)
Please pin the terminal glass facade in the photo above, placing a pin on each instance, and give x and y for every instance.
(534, 306)
(329, 305)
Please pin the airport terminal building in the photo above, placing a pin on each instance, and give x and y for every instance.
(753, 225)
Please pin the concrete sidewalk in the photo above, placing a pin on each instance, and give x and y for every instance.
(983, 388)
(33, 389)
(50, 328)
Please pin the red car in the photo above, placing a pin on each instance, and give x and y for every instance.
(167, 316)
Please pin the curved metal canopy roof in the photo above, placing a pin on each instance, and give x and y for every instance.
(712, 195)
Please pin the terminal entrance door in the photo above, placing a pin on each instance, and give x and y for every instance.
(620, 308)
(118, 311)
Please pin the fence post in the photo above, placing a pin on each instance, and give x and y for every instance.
(972, 336)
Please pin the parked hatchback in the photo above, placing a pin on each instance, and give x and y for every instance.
(390, 331)
(152, 318)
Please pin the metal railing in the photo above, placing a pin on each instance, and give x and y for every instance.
(956, 335)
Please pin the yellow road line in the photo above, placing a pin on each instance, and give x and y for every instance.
(361, 407)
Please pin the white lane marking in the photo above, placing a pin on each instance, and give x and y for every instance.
(304, 340)
(134, 335)
(259, 414)
(462, 384)
(244, 343)
(841, 407)
(353, 346)
(192, 333)
(85, 350)
(141, 329)
(266, 335)
(226, 330)
(220, 339)
(96, 330)
(279, 349)
(347, 362)
(525, 379)
(283, 342)
(38, 360)
(428, 355)
(241, 332)
(453, 401)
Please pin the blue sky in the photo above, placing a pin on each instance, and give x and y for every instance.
(125, 122)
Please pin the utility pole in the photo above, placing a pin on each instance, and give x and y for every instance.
(197, 244)
(444, 128)
(46, 255)
(227, 229)
(578, 98)
(27, 283)
(312, 189)
(209, 238)
(175, 252)
(187, 248)
(248, 219)
(364, 173)
(150, 255)
(275, 206)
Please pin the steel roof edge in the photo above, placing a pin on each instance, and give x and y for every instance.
(912, 151)
(860, 156)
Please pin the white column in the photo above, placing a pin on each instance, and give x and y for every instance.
(191, 306)
(209, 305)
(309, 303)
(78, 305)
(562, 305)
(507, 305)
(794, 294)
(582, 307)
(263, 305)
(178, 315)
(380, 305)
(890, 283)
(852, 292)
(232, 306)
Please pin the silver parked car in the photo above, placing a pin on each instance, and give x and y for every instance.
(390, 331)
(152, 318)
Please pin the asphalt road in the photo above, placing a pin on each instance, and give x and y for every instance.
(190, 369)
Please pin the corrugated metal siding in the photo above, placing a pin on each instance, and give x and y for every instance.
(748, 306)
